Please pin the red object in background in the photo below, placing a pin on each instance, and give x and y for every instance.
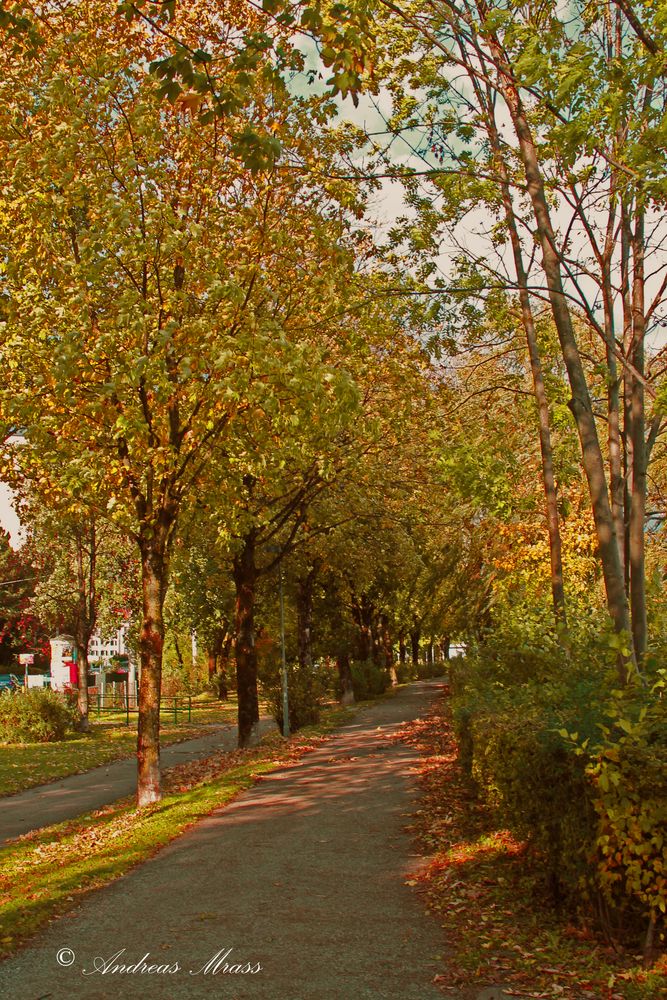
(73, 672)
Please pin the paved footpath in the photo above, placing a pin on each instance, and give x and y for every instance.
(302, 878)
(82, 793)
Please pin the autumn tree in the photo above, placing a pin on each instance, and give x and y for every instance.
(142, 312)
(80, 558)
(513, 109)
(21, 631)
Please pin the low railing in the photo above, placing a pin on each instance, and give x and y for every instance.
(174, 707)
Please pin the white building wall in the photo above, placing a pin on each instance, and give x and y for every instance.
(61, 650)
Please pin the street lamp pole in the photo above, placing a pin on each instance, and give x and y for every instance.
(284, 660)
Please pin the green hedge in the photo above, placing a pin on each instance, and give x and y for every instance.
(575, 767)
(406, 672)
(425, 671)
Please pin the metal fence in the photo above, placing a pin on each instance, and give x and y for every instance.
(172, 707)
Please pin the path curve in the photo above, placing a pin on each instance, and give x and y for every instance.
(304, 874)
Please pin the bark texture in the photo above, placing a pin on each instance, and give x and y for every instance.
(154, 569)
(245, 582)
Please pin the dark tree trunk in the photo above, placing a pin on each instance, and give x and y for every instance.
(628, 437)
(154, 571)
(638, 499)
(444, 645)
(415, 636)
(86, 568)
(245, 581)
(223, 669)
(402, 651)
(616, 483)
(388, 649)
(218, 657)
(345, 676)
(179, 655)
(548, 477)
(82, 640)
(378, 644)
(362, 613)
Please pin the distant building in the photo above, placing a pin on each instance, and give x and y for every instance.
(103, 650)
(100, 651)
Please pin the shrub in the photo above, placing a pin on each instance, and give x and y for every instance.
(574, 767)
(406, 672)
(306, 690)
(628, 770)
(38, 715)
(368, 680)
(425, 671)
(538, 787)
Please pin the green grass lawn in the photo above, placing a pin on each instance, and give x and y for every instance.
(24, 765)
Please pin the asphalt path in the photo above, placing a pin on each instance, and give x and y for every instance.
(82, 793)
(295, 891)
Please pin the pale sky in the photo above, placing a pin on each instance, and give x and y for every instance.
(8, 519)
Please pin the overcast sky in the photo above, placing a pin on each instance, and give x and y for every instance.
(8, 518)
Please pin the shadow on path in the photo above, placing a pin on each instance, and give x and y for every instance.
(302, 875)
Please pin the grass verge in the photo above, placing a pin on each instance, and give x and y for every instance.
(489, 895)
(48, 872)
(25, 765)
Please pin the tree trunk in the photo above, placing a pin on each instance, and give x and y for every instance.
(626, 299)
(362, 614)
(638, 497)
(377, 641)
(580, 404)
(86, 568)
(415, 636)
(402, 651)
(548, 477)
(83, 724)
(154, 570)
(223, 687)
(345, 676)
(616, 482)
(245, 581)
(388, 649)
(218, 656)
